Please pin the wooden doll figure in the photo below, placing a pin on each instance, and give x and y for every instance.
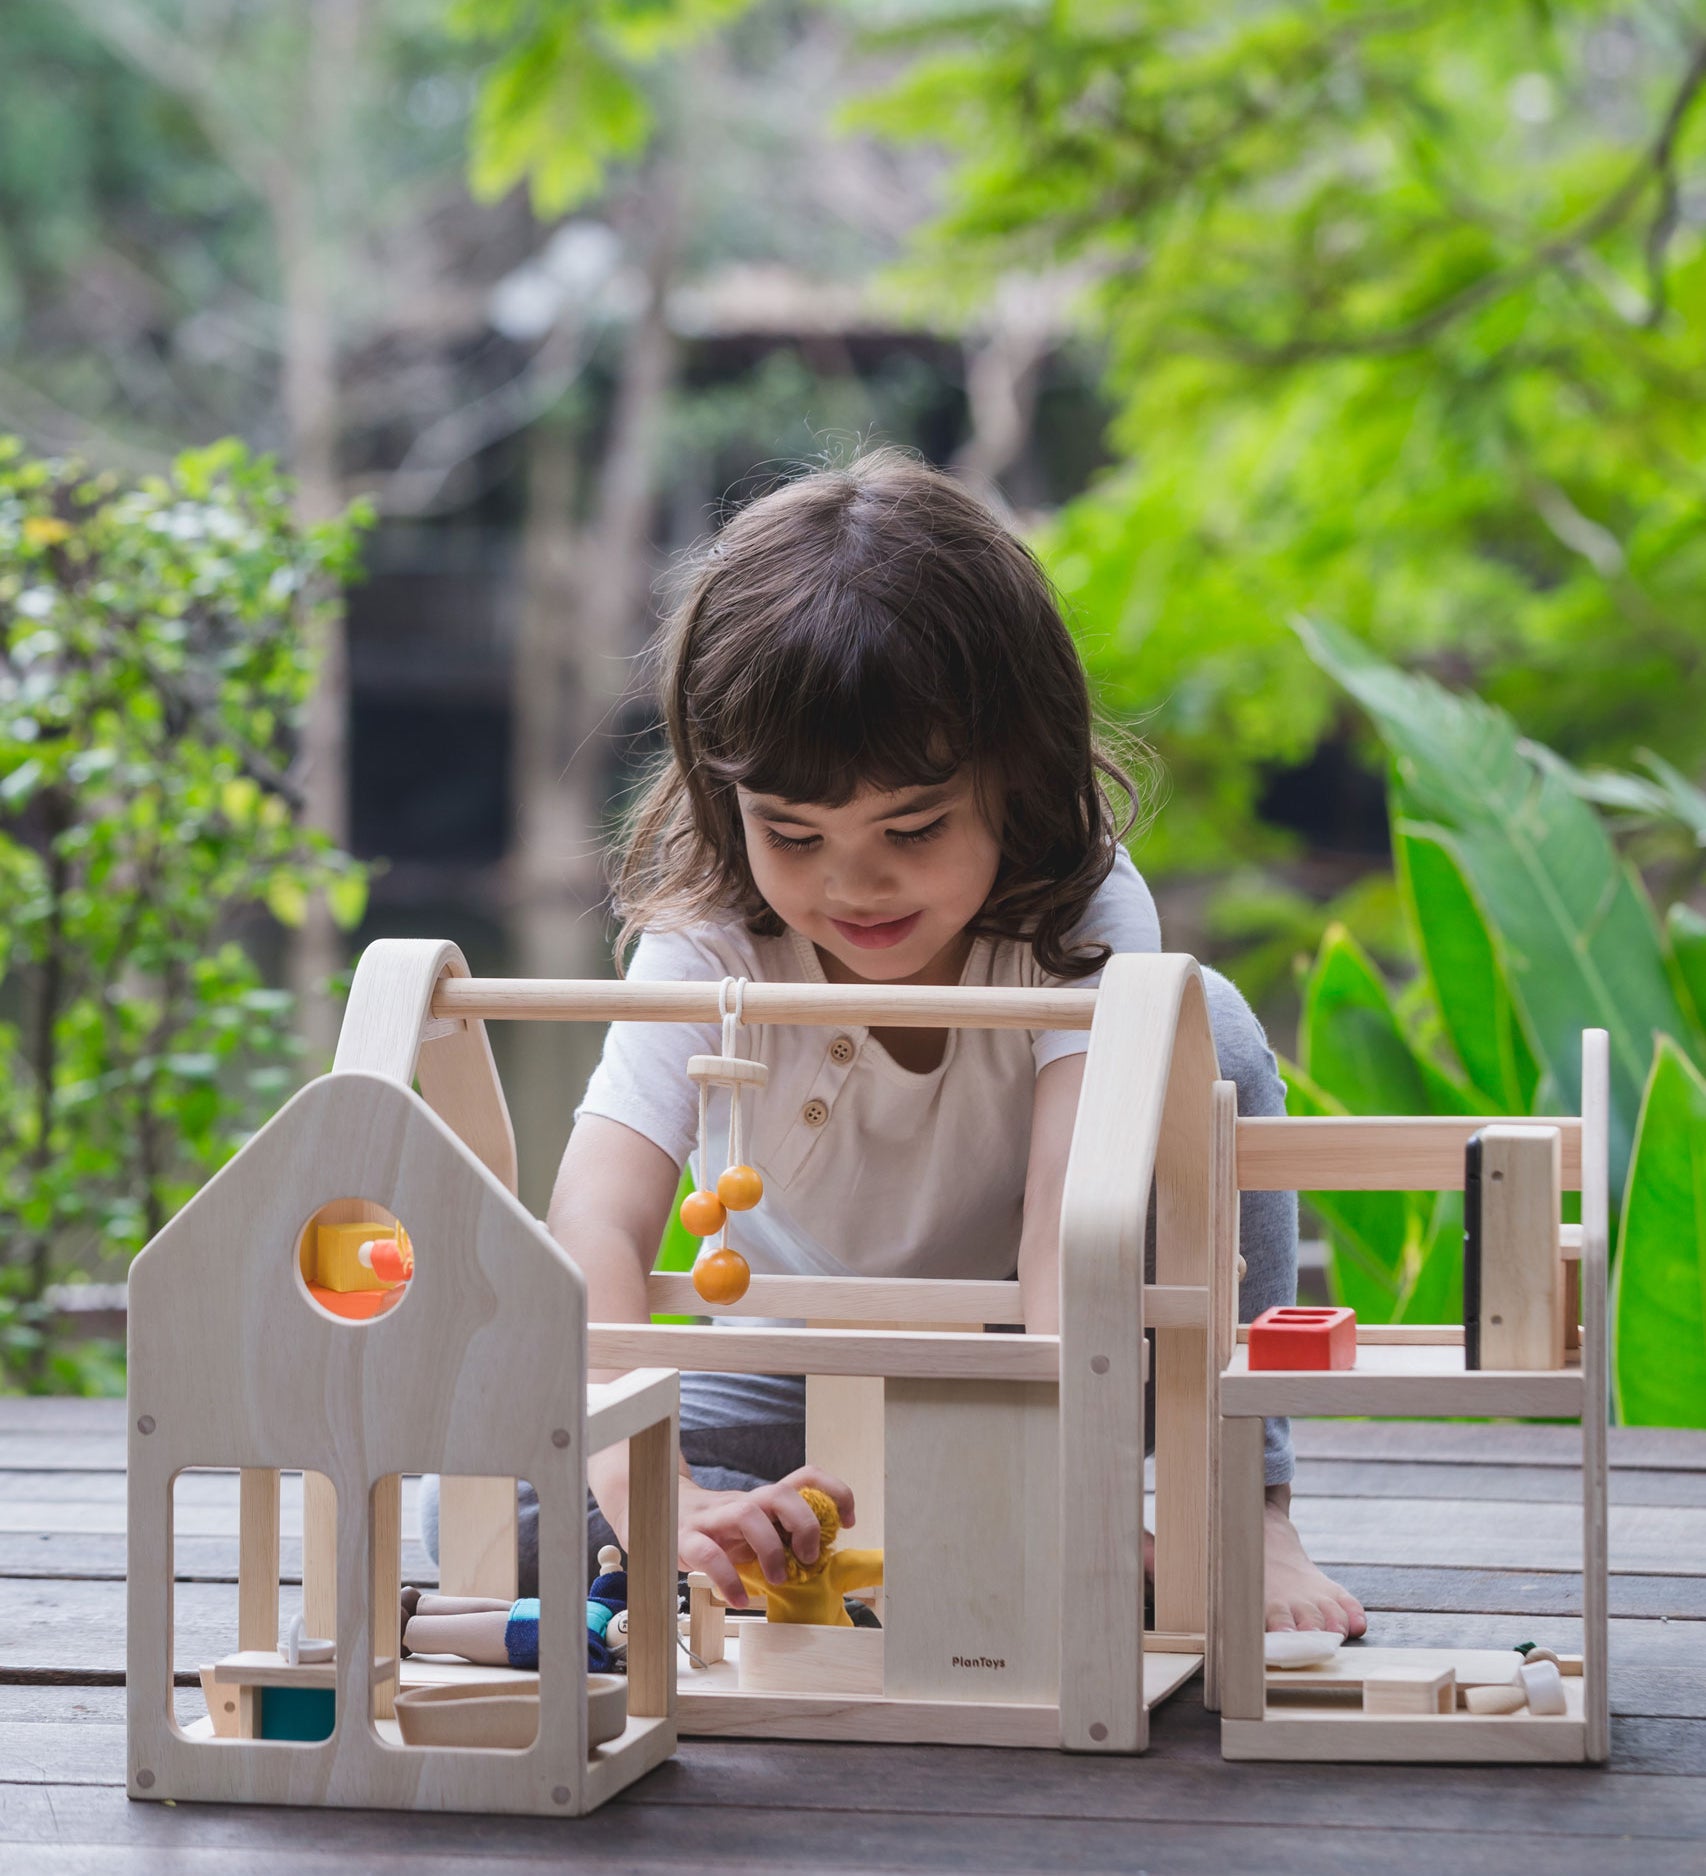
(814, 1591)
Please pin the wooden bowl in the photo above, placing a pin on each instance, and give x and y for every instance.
(502, 1715)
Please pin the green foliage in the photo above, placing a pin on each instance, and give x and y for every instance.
(1392, 1257)
(565, 99)
(1404, 327)
(1574, 922)
(1530, 927)
(1661, 1265)
(154, 653)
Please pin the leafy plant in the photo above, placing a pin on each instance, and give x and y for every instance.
(153, 656)
(1530, 927)
(1402, 323)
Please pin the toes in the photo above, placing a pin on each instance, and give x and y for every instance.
(1278, 1618)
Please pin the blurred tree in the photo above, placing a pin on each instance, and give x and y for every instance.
(1405, 315)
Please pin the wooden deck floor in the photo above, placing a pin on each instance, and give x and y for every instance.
(1455, 1534)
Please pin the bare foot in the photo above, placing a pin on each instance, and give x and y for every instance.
(1296, 1593)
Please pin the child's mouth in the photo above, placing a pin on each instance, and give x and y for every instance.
(878, 937)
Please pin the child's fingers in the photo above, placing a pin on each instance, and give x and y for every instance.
(839, 1491)
(700, 1551)
(753, 1523)
(790, 1510)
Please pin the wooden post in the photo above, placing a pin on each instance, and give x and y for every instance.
(1596, 1119)
(1184, 1241)
(653, 1477)
(385, 1541)
(1222, 1338)
(1140, 1006)
(319, 1556)
(1243, 1500)
(1522, 1275)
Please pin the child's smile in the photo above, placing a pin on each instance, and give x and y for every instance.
(885, 884)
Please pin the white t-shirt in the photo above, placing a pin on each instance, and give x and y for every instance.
(869, 1169)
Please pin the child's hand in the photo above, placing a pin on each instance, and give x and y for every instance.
(720, 1530)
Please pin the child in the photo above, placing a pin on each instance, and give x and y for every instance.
(881, 770)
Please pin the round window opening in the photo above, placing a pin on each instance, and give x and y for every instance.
(355, 1261)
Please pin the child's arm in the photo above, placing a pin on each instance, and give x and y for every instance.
(612, 1199)
(1054, 1110)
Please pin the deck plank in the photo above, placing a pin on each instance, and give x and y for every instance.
(1456, 1534)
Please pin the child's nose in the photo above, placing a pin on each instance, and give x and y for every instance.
(858, 880)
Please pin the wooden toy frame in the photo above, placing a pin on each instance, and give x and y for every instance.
(347, 1402)
(1414, 1371)
(1145, 1117)
(232, 1365)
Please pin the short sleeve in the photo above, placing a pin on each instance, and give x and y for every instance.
(641, 1077)
(1121, 916)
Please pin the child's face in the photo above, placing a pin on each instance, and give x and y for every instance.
(886, 883)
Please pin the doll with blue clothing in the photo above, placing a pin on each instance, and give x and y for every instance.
(498, 1634)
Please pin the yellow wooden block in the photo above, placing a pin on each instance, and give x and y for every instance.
(335, 1255)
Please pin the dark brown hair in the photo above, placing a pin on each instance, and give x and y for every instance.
(873, 626)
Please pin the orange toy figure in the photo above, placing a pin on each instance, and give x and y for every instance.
(721, 1274)
(814, 1591)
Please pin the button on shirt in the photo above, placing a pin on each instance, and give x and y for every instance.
(869, 1169)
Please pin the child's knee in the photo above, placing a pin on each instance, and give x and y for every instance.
(1241, 1046)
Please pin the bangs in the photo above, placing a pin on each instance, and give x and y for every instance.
(846, 697)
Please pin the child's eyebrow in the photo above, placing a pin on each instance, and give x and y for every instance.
(773, 810)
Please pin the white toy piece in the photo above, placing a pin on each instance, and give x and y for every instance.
(1543, 1684)
(1299, 1648)
(1511, 1699)
(299, 1647)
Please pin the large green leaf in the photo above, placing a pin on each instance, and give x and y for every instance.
(1466, 969)
(1371, 1238)
(1394, 1256)
(1686, 930)
(1352, 1042)
(1579, 936)
(1661, 1267)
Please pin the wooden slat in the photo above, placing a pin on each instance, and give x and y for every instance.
(1596, 1406)
(1240, 1524)
(257, 1561)
(895, 1299)
(1419, 1154)
(913, 1356)
(890, 1006)
(617, 1410)
(1109, 1177)
(1402, 1380)
(1487, 1534)
(1385, 1738)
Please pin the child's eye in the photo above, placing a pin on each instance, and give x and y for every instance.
(912, 836)
(783, 844)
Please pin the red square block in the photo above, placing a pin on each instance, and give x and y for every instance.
(1304, 1338)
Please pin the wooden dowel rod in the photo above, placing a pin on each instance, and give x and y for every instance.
(598, 1000)
(899, 1299)
(1423, 1153)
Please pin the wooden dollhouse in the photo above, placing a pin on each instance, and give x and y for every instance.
(1002, 1474)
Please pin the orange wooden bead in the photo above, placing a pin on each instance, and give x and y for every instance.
(702, 1213)
(740, 1188)
(721, 1276)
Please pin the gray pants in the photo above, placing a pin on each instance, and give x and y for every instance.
(743, 1430)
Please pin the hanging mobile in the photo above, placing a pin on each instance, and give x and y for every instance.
(721, 1274)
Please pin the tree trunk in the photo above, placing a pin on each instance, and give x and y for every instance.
(585, 608)
(309, 229)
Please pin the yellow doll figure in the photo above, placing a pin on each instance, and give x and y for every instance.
(814, 1591)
